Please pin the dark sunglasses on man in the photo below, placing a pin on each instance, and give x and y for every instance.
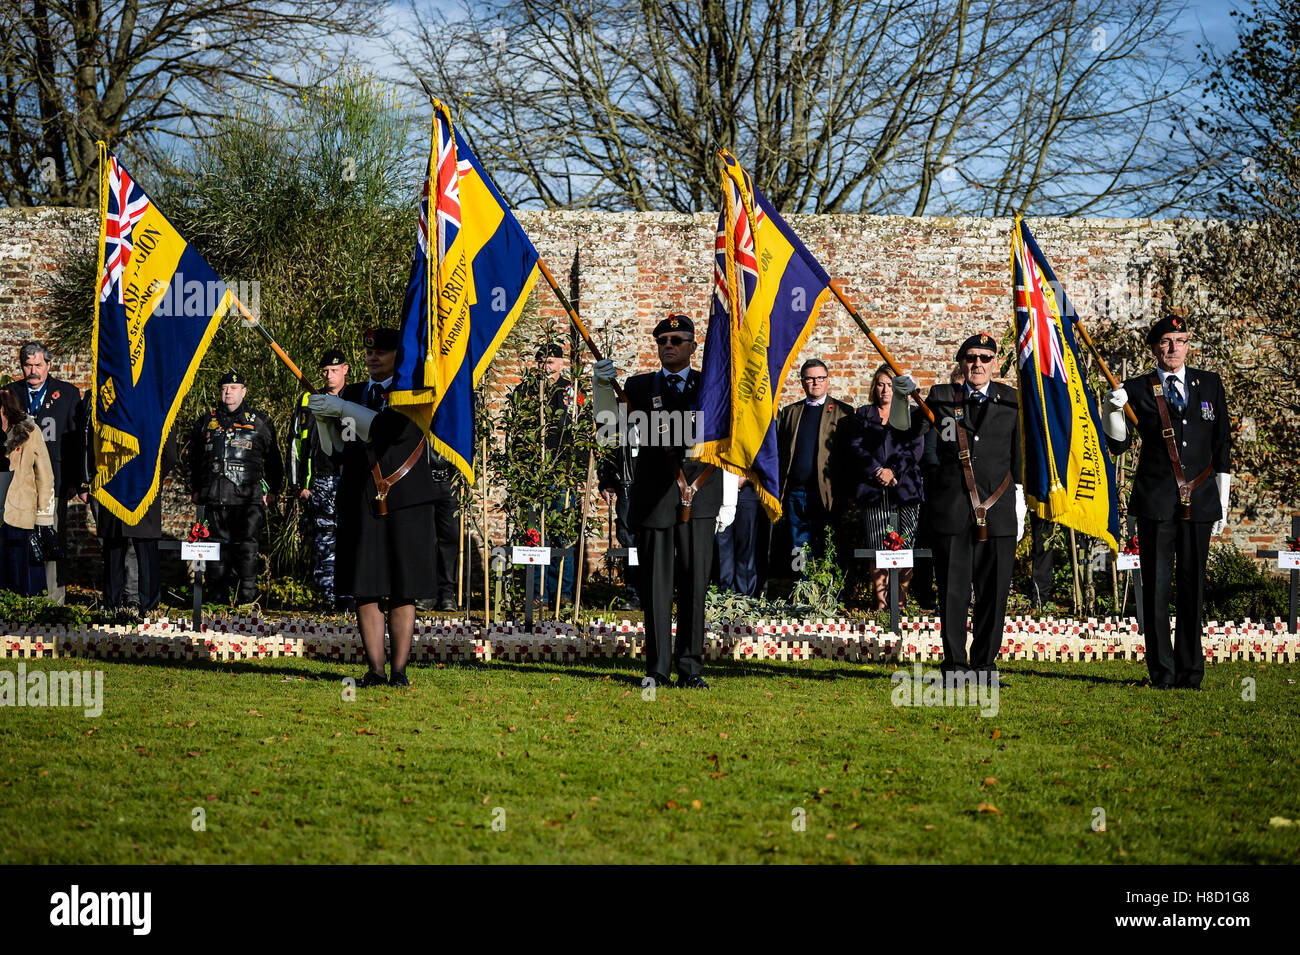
(672, 340)
(982, 359)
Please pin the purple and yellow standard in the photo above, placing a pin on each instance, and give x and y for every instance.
(481, 267)
(1069, 476)
(768, 290)
(157, 306)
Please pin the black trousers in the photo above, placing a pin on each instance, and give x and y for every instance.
(146, 559)
(1042, 557)
(446, 526)
(679, 560)
(237, 527)
(960, 561)
(1166, 548)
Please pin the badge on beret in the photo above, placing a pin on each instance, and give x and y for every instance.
(369, 338)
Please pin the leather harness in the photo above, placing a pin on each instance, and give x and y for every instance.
(963, 455)
(385, 484)
(1185, 487)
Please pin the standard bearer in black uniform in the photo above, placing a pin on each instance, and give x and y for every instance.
(235, 472)
(676, 504)
(314, 478)
(974, 503)
(1182, 419)
(386, 529)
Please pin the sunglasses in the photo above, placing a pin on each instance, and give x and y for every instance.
(815, 379)
(673, 339)
(982, 359)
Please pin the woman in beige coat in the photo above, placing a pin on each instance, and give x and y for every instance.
(28, 501)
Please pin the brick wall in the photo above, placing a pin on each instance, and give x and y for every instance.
(922, 284)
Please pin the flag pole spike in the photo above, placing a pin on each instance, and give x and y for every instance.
(275, 346)
(889, 360)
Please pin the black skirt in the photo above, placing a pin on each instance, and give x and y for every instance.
(391, 556)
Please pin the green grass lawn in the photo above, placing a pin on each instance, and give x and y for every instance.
(579, 768)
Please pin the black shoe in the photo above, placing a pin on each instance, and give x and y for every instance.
(399, 679)
(659, 682)
(372, 679)
(426, 604)
(693, 683)
(447, 603)
(1162, 686)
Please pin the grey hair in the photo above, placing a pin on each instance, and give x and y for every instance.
(29, 349)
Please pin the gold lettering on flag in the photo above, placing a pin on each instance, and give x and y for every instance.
(147, 278)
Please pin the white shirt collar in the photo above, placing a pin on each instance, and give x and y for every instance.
(381, 385)
(815, 404)
(1180, 374)
(984, 391)
(683, 374)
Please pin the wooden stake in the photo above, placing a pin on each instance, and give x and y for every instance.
(889, 360)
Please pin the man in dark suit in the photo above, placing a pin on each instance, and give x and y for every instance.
(53, 403)
(807, 437)
(974, 529)
(674, 555)
(1182, 419)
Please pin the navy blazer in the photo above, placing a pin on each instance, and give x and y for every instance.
(654, 497)
(1202, 434)
(873, 444)
(57, 419)
(993, 435)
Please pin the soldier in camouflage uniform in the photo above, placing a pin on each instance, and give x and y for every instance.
(314, 477)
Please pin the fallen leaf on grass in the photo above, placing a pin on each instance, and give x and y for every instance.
(988, 808)
(990, 781)
(1280, 821)
(997, 734)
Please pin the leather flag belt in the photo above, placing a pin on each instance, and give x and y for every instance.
(385, 484)
(688, 490)
(981, 508)
(1185, 487)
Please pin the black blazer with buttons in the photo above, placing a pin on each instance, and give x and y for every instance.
(993, 434)
(393, 436)
(654, 497)
(1202, 434)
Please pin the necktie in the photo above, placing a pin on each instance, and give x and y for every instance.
(1175, 397)
(676, 382)
(33, 401)
(977, 397)
(373, 399)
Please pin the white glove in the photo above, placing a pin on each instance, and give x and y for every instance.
(331, 438)
(900, 410)
(352, 416)
(1114, 424)
(605, 403)
(1224, 484)
(727, 512)
(1021, 511)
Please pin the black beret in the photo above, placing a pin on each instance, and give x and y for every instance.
(381, 339)
(231, 378)
(332, 356)
(978, 340)
(675, 323)
(1166, 325)
(553, 350)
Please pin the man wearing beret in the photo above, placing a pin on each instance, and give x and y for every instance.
(1182, 419)
(235, 473)
(387, 542)
(677, 504)
(314, 478)
(974, 504)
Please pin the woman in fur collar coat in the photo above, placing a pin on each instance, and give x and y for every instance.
(28, 498)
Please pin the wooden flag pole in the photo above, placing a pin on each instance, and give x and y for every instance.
(1114, 383)
(889, 360)
(275, 346)
(576, 320)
